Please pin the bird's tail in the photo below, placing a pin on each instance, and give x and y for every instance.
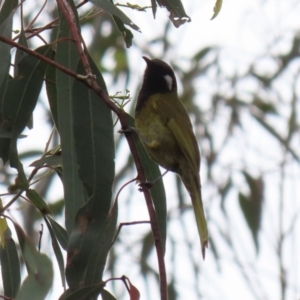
(200, 218)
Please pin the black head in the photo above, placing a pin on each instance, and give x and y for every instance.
(158, 78)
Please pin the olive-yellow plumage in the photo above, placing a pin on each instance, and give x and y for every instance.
(166, 132)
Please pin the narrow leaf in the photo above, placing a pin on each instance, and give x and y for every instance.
(52, 161)
(251, 206)
(38, 201)
(20, 54)
(109, 7)
(18, 98)
(39, 267)
(3, 228)
(21, 93)
(94, 146)
(217, 8)
(6, 21)
(106, 295)
(177, 12)
(127, 34)
(10, 266)
(102, 245)
(67, 55)
(83, 293)
(51, 89)
(57, 252)
(60, 233)
(37, 285)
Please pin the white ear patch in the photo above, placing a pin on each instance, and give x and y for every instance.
(169, 81)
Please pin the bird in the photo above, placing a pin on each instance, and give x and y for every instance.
(166, 132)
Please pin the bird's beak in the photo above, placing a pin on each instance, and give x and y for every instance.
(147, 60)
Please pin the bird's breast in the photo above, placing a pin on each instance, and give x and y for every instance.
(156, 137)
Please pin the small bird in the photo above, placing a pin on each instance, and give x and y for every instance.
(165, 130)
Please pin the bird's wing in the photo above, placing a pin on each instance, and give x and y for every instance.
(177, 119)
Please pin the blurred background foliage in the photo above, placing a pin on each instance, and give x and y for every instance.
(247, 122)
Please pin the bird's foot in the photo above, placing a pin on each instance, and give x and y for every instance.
(128, 130)
(148, 185)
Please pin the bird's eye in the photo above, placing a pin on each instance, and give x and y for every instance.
(169, 81)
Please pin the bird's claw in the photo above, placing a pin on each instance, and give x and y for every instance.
(147, 185)
(127, 130)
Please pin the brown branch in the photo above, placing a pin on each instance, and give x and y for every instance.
(43, 58)
(71, 19)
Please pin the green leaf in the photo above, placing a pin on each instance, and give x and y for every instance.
(154, 7)
(94, 146)
(67, 55)
(83, 293)
(20, 54)
(51, 89)
(177, 12)
(21, 181)
(107, 295)
(6, 21)
(251, 205)
(202, 53)
(38, 201)
(10, 266)
(8, 135)
(113, 10)
(264, 106)
(127, 34)
(52, 161)
(57, 252)
(158, 194)
(18, 99)
(217, 8)
(60, 233)
(7, 9)
(39, 267)
(102, 245)
(37, 285)
(21, 93)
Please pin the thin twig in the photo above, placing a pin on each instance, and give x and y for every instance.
(127, 224)
(40, 239)
(37, 15)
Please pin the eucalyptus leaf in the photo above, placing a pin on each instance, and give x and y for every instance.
(94, 146)
(57, 252)
(109, 7)
(177, 15)
(39, 267)
(83, 293)
(67, 55)
(217, 8)
(6, 22)
(10, 266)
